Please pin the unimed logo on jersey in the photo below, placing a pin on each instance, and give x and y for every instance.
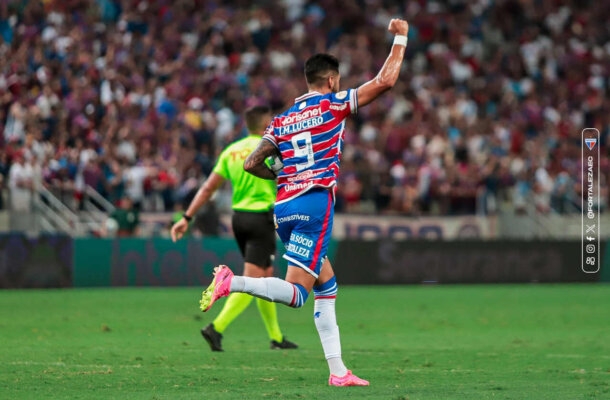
(296, 186)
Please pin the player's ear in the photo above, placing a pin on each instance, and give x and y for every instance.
(333, 82)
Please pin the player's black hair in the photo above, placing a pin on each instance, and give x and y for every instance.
(318, 66)
(253, 117)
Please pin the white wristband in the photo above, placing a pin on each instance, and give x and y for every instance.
(400, 40)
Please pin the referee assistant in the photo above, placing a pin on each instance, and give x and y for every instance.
(253, 227)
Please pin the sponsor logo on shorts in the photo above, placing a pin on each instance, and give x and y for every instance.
(300, 245)
(298, 250)
(293, 217)
(300, 239)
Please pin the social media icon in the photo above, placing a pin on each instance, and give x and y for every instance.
(590, 248)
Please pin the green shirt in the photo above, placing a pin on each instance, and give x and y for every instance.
(127, 220)
(249, 192)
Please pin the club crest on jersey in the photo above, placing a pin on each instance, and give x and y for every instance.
(341, 95)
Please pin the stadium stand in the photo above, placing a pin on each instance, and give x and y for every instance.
(136, 98)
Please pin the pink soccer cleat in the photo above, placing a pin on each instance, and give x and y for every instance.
(220, 287)
(348, 379)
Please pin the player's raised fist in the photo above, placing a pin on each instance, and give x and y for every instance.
(398, 27)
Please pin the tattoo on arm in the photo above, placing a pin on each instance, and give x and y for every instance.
(255, 163)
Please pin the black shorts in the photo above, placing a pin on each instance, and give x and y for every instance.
(255, 236)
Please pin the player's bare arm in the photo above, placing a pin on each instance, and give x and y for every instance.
(255, 163)
(204, 193)
(388, 74)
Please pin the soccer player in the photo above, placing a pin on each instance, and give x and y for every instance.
(308, 137)
(253, 228)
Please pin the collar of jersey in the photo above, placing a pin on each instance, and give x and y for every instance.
(307, 95)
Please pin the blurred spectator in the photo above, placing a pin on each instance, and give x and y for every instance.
(563, 198)
(136, 178)
(14, 127)
(127, 219)
(21, 183)
(4, 173)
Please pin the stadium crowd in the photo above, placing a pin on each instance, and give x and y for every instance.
(136, 98)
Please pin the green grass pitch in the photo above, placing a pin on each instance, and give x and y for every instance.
(411, 342)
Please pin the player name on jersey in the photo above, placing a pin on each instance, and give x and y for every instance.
(302, 125)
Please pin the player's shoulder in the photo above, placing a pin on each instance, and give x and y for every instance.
(296, 107)
(337, 102)
(341, 96)
(284, 117)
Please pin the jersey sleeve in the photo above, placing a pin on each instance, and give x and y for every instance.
(353, 99)
(269, 134)
(344, 103)
(221, 167)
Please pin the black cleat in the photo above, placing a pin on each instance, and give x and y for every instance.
(213, 338)
(283, 345)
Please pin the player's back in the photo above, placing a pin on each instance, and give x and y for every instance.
(309, 136)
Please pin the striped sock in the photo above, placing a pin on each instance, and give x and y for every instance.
(271, 289)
